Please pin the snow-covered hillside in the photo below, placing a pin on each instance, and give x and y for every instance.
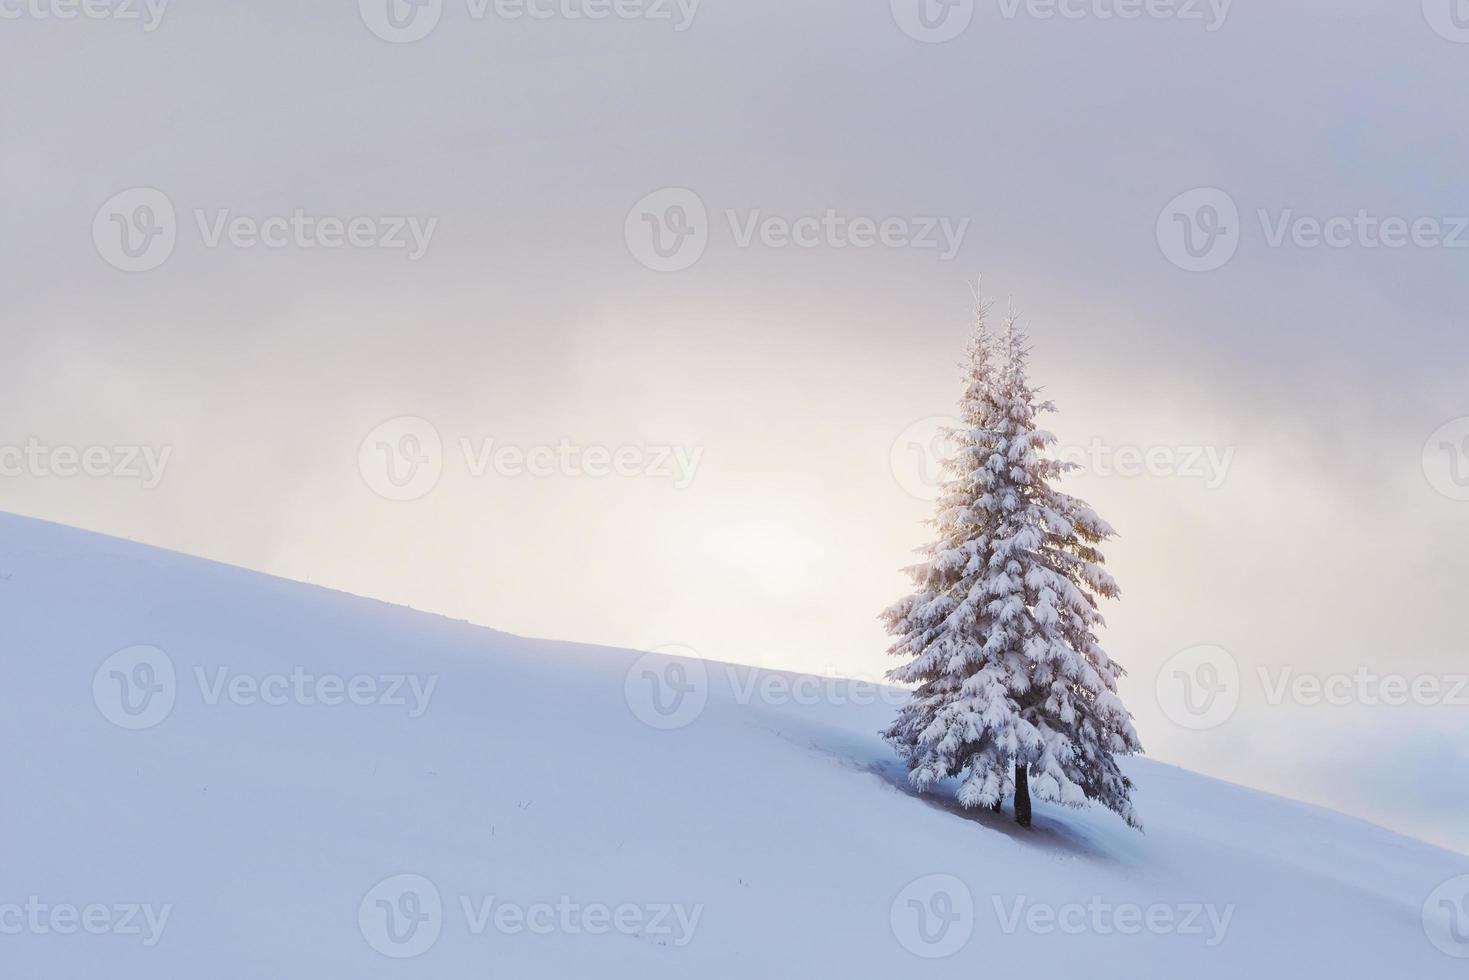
(214, 773)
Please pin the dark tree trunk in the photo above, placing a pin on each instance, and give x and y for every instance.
(1022, 795)
(996, 806)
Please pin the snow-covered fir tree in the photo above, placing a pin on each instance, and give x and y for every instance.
(1013, 691)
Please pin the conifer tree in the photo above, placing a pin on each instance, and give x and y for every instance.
(1013, 691)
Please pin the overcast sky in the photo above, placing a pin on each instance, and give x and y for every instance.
(320, 264)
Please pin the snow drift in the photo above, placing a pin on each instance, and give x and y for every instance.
(215, 773)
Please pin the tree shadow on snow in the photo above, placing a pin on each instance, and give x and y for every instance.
(1058, 830)
(1054, 828)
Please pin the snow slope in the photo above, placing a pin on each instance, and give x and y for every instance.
(769, 836)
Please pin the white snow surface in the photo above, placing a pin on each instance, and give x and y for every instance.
(780, 837)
